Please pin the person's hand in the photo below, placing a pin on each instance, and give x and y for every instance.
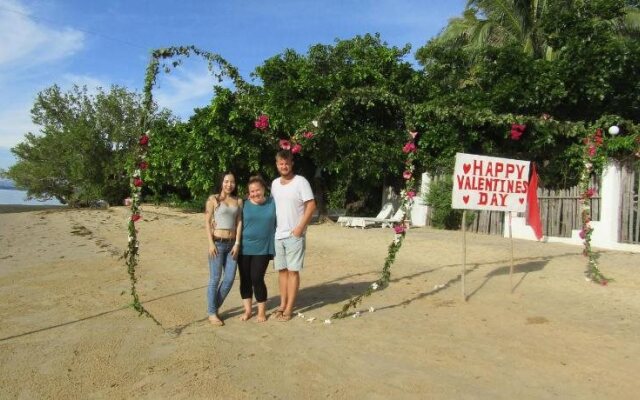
(235, 250)
(297, 231)
(213, 250)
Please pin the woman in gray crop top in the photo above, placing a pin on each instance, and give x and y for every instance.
(223, 225)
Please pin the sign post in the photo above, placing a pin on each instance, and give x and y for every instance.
(488, 183)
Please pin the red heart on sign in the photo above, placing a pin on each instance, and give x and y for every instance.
(465, 199)
(466, 167)
(521, 200)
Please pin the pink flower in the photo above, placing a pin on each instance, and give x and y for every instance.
(515, 134)
(144, 140)
(308, 135)
(143, 165)
(285, 144)
(137, 182)
(407, 175)
(399, 229)
(136, 217)
(517, 130)
(411, 194)
(592, 151)
(581, 234)
(262, 122)
(296, 148)
(590, 193)
(128, 201)
(410, 147)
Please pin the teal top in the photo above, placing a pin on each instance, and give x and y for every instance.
(258, 228)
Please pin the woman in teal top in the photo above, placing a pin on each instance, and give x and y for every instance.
(258, 235)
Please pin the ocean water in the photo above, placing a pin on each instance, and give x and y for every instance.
(12, 196)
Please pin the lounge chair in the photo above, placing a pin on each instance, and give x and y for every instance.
(386, 210)
(382, 217)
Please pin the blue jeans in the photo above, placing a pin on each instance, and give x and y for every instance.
(217, 292)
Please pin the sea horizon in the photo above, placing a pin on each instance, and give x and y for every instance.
(10, 196)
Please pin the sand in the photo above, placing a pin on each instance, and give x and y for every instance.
(66, 330)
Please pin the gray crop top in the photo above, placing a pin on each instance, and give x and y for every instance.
(225, 216)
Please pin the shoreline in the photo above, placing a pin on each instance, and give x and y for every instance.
(20, 208)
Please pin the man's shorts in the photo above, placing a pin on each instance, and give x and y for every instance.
(289, 253)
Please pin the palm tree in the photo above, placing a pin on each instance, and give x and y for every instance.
(499, 22)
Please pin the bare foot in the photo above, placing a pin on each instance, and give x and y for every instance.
(276, 314)
(261, 318)
(245, 317)
(215, 321)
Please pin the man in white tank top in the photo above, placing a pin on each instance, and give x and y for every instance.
(295, 205)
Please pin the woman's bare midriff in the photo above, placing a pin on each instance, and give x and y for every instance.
(224, 234)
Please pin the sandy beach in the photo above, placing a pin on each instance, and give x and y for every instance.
(66, 330)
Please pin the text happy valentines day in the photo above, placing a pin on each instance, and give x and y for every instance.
(489, 183)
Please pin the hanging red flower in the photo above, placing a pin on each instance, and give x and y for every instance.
(144, 140)
(517, 130)
(407, 175)
(410, 147)
(308, 135)
(137, 182)
(296, 148)
(143, 165)
(262, 122)
(136, 217)
(285, 144)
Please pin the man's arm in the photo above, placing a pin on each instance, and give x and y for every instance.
(309, 209)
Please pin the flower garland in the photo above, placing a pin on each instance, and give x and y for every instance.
(131, 254)
(400, 229)
(139, 165)
(295, 145)
(590, 156)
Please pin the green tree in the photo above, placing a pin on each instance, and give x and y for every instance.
(357, 90)
(81, 151)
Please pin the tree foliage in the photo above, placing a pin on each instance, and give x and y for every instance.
(80, 154)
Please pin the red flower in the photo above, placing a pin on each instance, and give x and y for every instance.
(590, 193)
(128, 201)
(407, 175)
(296, 148)
(399, 229)
(137, 182)
(285, 144)
(515, 135)
(308, 135)
(262, 122)
(592, 151)
(143, 165)
(144, 140)
(136, 217)
(411, 194)
(410, 147)
(517, 130)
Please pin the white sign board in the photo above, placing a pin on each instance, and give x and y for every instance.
(489, 183)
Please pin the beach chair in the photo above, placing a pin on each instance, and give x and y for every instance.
(363, 222)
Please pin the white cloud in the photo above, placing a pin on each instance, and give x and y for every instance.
(186, 88)
(15, 122)
(26, 42)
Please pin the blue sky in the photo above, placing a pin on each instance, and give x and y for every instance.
(100, 43)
